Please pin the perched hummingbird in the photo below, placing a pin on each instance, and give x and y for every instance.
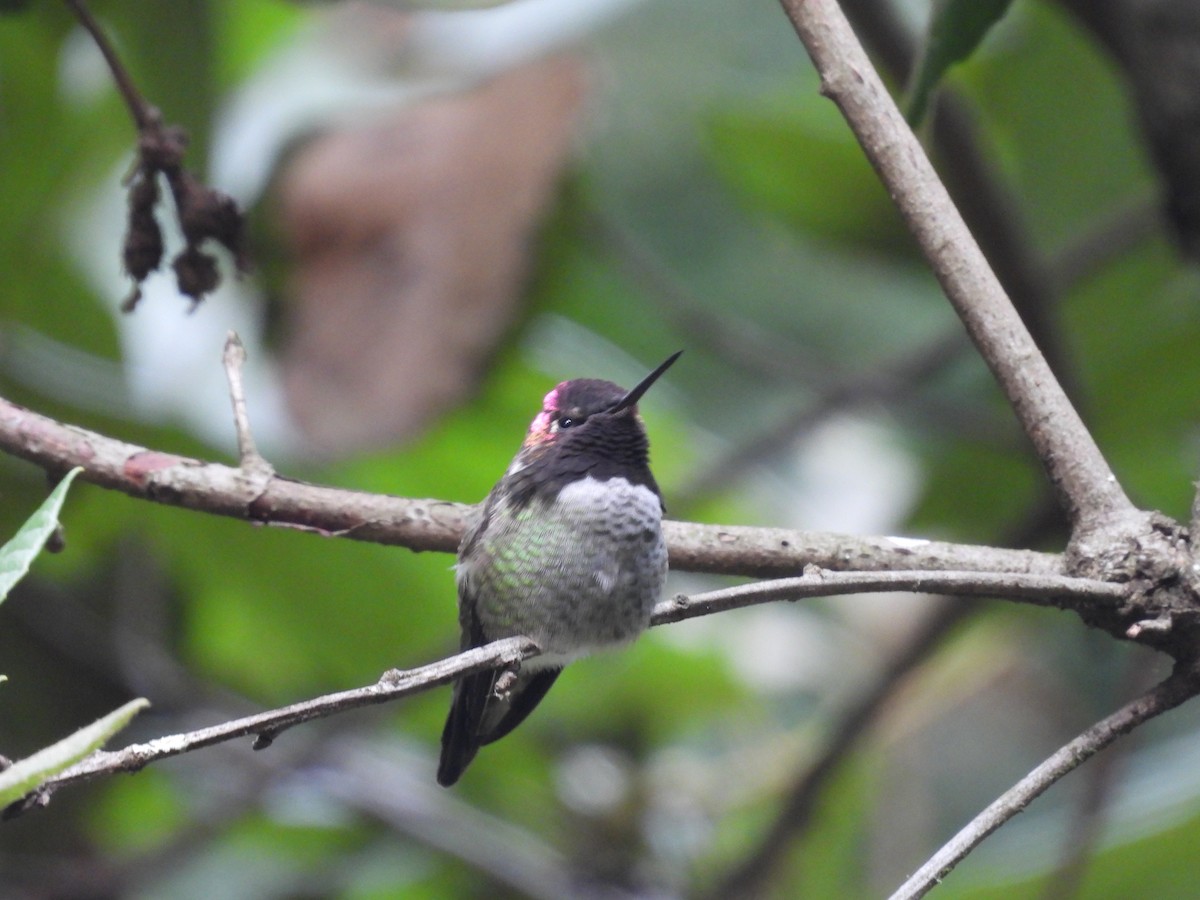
(568, 551)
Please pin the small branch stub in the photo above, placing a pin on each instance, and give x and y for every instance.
(234, 359)
(1162, 625)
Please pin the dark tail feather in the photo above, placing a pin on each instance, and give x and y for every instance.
(465, 728)
(460, 737)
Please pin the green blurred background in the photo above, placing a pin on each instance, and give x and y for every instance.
(707, 198)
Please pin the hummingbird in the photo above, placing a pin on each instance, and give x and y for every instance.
(567, 550)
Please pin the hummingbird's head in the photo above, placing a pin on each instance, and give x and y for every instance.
(587, 428)
(583, 410)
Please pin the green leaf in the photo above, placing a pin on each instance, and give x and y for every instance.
(19, 553)
(955, 30)
(26, 775)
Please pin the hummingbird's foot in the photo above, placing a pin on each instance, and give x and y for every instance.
(506, 679)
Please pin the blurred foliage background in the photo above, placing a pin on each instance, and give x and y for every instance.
(450, 212)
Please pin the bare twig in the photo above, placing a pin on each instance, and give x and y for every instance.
(1041, 590)
(255, 468)
(266, 726)
(234, 358)
(1086, 485)
(391, 685)
(439, 524)
(1181, 686)
(144, 114)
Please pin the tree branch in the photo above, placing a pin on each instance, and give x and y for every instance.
(1182, 685)
(266, 725)
(1085, 484)
(144, 114)
(439, 524)
(394, 684)
(977, 188)
(1060, 591)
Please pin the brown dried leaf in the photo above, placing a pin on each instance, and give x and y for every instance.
(413, 237)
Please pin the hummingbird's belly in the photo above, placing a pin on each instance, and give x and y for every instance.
(578, 574)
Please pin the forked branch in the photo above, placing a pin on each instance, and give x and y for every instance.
(1104, 521)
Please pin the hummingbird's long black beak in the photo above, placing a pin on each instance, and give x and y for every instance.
(644, 385)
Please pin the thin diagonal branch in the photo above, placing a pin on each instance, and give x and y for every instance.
(391, 686)
(1086, 486)
(1181, 686)
(144, 114)
(265, 726)
(977, 187)
(1062, 591)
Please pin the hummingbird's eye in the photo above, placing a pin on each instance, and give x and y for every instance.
(567, 422)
